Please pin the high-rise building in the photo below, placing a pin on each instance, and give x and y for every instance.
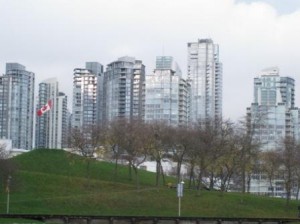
(205, 78)
(87, 95)
(123, 89)
(51, 127)
(166, 94)
(273, 112)
(16, 106)
(273, 117)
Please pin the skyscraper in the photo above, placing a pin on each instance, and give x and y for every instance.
(166, 94)
(205, 78)
(87, 95)
(273, 112)
(272, 117)
(123, 89)
(51, 127)
(16, 106)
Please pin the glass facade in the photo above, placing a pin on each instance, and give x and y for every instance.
(270, 89)
(273, 114)
(51, 127)
(123, 89)
(87, 95)
(16, 106)
(166, 94)
(205, 78)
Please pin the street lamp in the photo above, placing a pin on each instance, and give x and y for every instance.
(7, 190)
(179, 195)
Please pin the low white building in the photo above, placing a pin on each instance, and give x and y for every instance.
(6, 144)
(169, 167)
(8, 151)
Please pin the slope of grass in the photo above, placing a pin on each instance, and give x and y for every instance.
(54, 182)
(59, 162)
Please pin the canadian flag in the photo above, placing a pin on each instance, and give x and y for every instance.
(45, 108)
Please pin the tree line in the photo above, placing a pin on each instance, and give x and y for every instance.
(215, 149)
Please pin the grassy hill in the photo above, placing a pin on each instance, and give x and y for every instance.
(55, 182)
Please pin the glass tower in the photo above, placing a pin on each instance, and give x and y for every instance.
(16, 106)
(123, 89)
(51, 127)
(87, 95)
(273, 113)
(205, 77)
(166, 94)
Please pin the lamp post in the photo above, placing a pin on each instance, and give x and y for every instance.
(7, 190)
(179, 195)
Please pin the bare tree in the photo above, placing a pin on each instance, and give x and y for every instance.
(177, 144)
(270, 165)
(249, 147)
(201, 153)
(113, 135)
(86, 142)
(297, 168)
(221, 136)
(7, 167)
(156, 132)
(229, 160)
(192, 156)
(213, 139)
(134, 144)
(289, 161)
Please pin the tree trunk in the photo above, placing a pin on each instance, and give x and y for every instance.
(191, 177)
(163, 174)
(271, 185)
(199, 184)
(178, 170)
(243, 178)
(135, 169)
(116, 168)
(288, 186)
(211, 181)
(297, 195)
(158, 169)
(129, 170)
(248, 182)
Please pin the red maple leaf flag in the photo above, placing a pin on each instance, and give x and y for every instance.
(45, 108)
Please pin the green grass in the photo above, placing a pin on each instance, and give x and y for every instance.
(54, 182)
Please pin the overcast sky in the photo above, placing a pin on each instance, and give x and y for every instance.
(52, 37)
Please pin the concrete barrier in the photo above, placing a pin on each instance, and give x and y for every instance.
(79, 219)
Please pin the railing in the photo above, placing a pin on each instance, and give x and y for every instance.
(90, 219)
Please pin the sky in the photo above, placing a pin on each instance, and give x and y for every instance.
(52, 37)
